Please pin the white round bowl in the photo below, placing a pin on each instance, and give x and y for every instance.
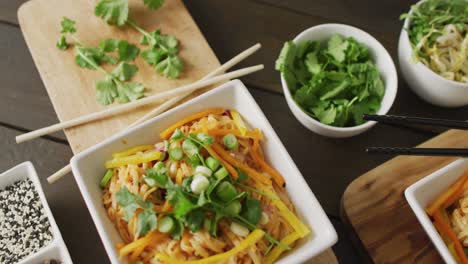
(427, 84)
(380, 57)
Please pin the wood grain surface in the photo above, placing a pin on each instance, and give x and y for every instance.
(375, 206)
(71, 89)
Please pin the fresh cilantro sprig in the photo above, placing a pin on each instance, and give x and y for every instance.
(116, 11)
(335, 82)
(115, 85)
(146, 218)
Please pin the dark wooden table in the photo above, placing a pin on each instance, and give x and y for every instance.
(328, 165)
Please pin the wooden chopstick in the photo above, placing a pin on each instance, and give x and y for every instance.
(169, 103)
(419, 151)
(407, 120)
(141, 102)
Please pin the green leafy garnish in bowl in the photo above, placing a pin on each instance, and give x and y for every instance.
(334, 82)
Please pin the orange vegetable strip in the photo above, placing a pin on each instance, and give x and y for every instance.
(228, 166)
(236, 163)
(275, 174)
(458, 192)
(447, 231)
(168, 131)
(440, 201)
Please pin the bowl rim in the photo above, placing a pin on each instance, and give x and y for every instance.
(404, 32)
(327, 240)
(361, 127)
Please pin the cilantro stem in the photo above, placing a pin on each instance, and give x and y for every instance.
(267, 236)
(91, 62)
(145, 33)
(255, 191)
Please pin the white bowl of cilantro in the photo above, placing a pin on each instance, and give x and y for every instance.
(433, 51)
(332, 74)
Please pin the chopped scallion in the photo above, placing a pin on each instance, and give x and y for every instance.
(105, 180)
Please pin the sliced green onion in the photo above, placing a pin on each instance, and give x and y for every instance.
(106, 178)
(221, 173)
(230, 142)
(233, 208)
(226, 191)
(176, 153)
(212, 163)
(166, 225)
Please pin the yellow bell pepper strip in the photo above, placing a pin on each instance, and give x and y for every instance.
(132, 151)
(449, 194)
(237, 118)
(224, 131)
(278, 250)
(168, 131)
(134, 159)
(249, 241)
(290, 217)
(236, 163)
(446, 230)
(277, 177)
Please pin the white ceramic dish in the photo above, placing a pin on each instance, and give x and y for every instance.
(88, 168)
(56, 249)
(427, 84)
(425, 191)
(381, 58)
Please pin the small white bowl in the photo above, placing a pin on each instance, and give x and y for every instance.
(56, 249)
(422, 193)
(88, 169)
(427, 84)
(381, 58)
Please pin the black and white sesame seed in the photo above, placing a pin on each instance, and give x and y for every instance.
(24, 227)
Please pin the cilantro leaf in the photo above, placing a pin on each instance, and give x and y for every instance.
(337, 48)
(146, 222)
(205, 138)
(182, 204)
(106, 91)
(96, 55)
(195, 220)
(68, 26)
(125, 71)
(154, 4)
(127, 51)
(152, 56)
(62, 43)
(112, 11)
(157, 176)
(252, 210)
(108, 45)
(130, 91)
(190, 148)
(170, 67)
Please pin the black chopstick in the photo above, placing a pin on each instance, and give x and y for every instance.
(419, 151)
(406, 120)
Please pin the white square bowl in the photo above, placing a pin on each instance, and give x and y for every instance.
(56, 249)
(422, 193)
(88, 168)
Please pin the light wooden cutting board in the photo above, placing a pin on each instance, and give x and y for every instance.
(71, 89)
(375, 206)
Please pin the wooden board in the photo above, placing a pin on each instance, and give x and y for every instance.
(71, 89)
(375, 206)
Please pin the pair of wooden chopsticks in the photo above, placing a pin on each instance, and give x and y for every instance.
(407, 121)
(213, 77)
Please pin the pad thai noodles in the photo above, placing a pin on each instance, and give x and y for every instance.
(203, 194)
(438, 32)
(449, 213)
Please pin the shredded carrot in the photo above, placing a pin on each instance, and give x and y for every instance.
(274, 174)
(447, 231)
(228, 166)
(249, 241)
(457, 193)
(168, 131)
(278, 250)
(444, 197)
(236, 163)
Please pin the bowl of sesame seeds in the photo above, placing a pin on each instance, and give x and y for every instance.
(28, 232)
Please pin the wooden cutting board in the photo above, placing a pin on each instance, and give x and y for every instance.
(375, 206)
(71, 89)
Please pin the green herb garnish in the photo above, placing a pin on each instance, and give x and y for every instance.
(335, 82)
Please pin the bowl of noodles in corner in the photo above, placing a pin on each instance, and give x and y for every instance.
(433, 51)
(206, 182)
